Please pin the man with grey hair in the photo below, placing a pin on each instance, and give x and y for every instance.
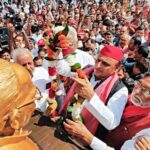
(39, 75)
(24, 57)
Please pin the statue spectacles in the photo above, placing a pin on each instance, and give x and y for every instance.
(39, 93)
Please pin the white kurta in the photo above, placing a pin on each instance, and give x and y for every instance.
(128, 145)
(40, 79)
(84, 58)
(63, 67)
(109, 116)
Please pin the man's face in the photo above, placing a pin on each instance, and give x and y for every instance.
(131, 44)
(93, 11)
(88, 44)
(139, 33)
(104, 66)
(38, 62)
(6, 56)
(76, 11)
(123, 30)
(88, 19)
(44, 10)
(148, 38)
(41, 55)
(26, 61)
(108, 37)
(141, 93)
(31, 45)
(103, 29)
(123, 42)
(138, 56)
(81, 12)
(117, 30)
(19, 42)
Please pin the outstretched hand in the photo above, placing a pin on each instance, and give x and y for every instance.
(84, 88)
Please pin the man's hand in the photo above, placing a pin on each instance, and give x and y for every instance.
(78, 129)
(84, 88)
(142, 143)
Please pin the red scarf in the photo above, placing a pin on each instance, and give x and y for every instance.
(103, 91)
(71, 92)
(135, 111)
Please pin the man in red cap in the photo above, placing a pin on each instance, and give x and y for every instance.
(105, 95)
(41, 43)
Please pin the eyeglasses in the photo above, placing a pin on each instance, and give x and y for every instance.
(35, 98)
(143, 89)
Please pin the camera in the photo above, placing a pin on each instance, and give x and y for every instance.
(18, 26)
(18, 23)
(8, 16)
(140, 2)
(34, 28)
(4, 37)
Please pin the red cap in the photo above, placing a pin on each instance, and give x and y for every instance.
(41, 42)
(112, 52)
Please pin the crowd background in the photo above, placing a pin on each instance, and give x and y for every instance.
(27, 25)
(30, 23)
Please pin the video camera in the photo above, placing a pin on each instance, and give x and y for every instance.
(18, 23)
(34, 28)
(4, 37)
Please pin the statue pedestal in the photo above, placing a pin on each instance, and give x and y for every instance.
(44, 134)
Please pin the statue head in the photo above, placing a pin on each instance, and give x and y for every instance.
(16, 98)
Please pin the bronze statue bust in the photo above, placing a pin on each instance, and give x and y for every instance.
(16, 106)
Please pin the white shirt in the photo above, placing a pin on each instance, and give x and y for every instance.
(36, 37)
(84, 58)
(128, 145)
(109, 116)
(34, 52)
(63, 67)
(99, 145)
(26, 9)
(40, 79)
(5, 11)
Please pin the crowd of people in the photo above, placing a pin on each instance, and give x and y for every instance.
(109, 40)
